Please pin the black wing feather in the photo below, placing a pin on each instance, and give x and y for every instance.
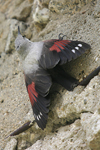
(60, 52)
(38, 85)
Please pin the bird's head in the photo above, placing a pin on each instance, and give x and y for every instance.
(21, 44)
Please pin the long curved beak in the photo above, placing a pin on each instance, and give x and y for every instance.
(19, 30)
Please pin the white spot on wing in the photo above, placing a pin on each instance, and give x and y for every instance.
(37, 118)
(80, 45)
(73, 50)
(77, 48)
(40, 113)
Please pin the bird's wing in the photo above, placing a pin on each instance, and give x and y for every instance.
(38, 86)
(61, 51)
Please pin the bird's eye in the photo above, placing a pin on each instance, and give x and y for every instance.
(17, 46)
(24, 36)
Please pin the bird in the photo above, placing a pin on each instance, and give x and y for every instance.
(42, 65)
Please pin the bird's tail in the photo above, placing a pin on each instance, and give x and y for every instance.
(85, 81)
(67, 81)
(64, 79)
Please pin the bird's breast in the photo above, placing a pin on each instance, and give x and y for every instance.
(31, 62)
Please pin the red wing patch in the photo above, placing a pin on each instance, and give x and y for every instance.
(59, 44)
(32, 93)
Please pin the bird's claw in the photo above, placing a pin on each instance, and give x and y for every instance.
(61, 37)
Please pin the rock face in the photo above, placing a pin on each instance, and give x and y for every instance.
(74, 117)
(11, 145)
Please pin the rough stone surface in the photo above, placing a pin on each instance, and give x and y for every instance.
(40, 14)
(2, 17)
(64, 6)
(22, 11)
(74, 117)
(87, 100)
(11, 145)
(4, 30)
(91, 125)
(97, 9)
(68, 137)
(45, 2)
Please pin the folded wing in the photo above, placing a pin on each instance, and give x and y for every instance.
(38, 86)
(60, 52)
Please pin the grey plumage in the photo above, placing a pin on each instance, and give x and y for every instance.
(42, 65)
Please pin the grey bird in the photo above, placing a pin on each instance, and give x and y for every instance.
(42, 65)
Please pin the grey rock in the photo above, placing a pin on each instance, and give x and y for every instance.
(41, 16)
(91, 125)
(72, 103)
(45, 2)
(64, 6)
(68, 137)
(2, 17)
(56, 5)
(11, 145)
(22, 11)
(96, 11)
(4, 30)
(18, 2)
(35, 146)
